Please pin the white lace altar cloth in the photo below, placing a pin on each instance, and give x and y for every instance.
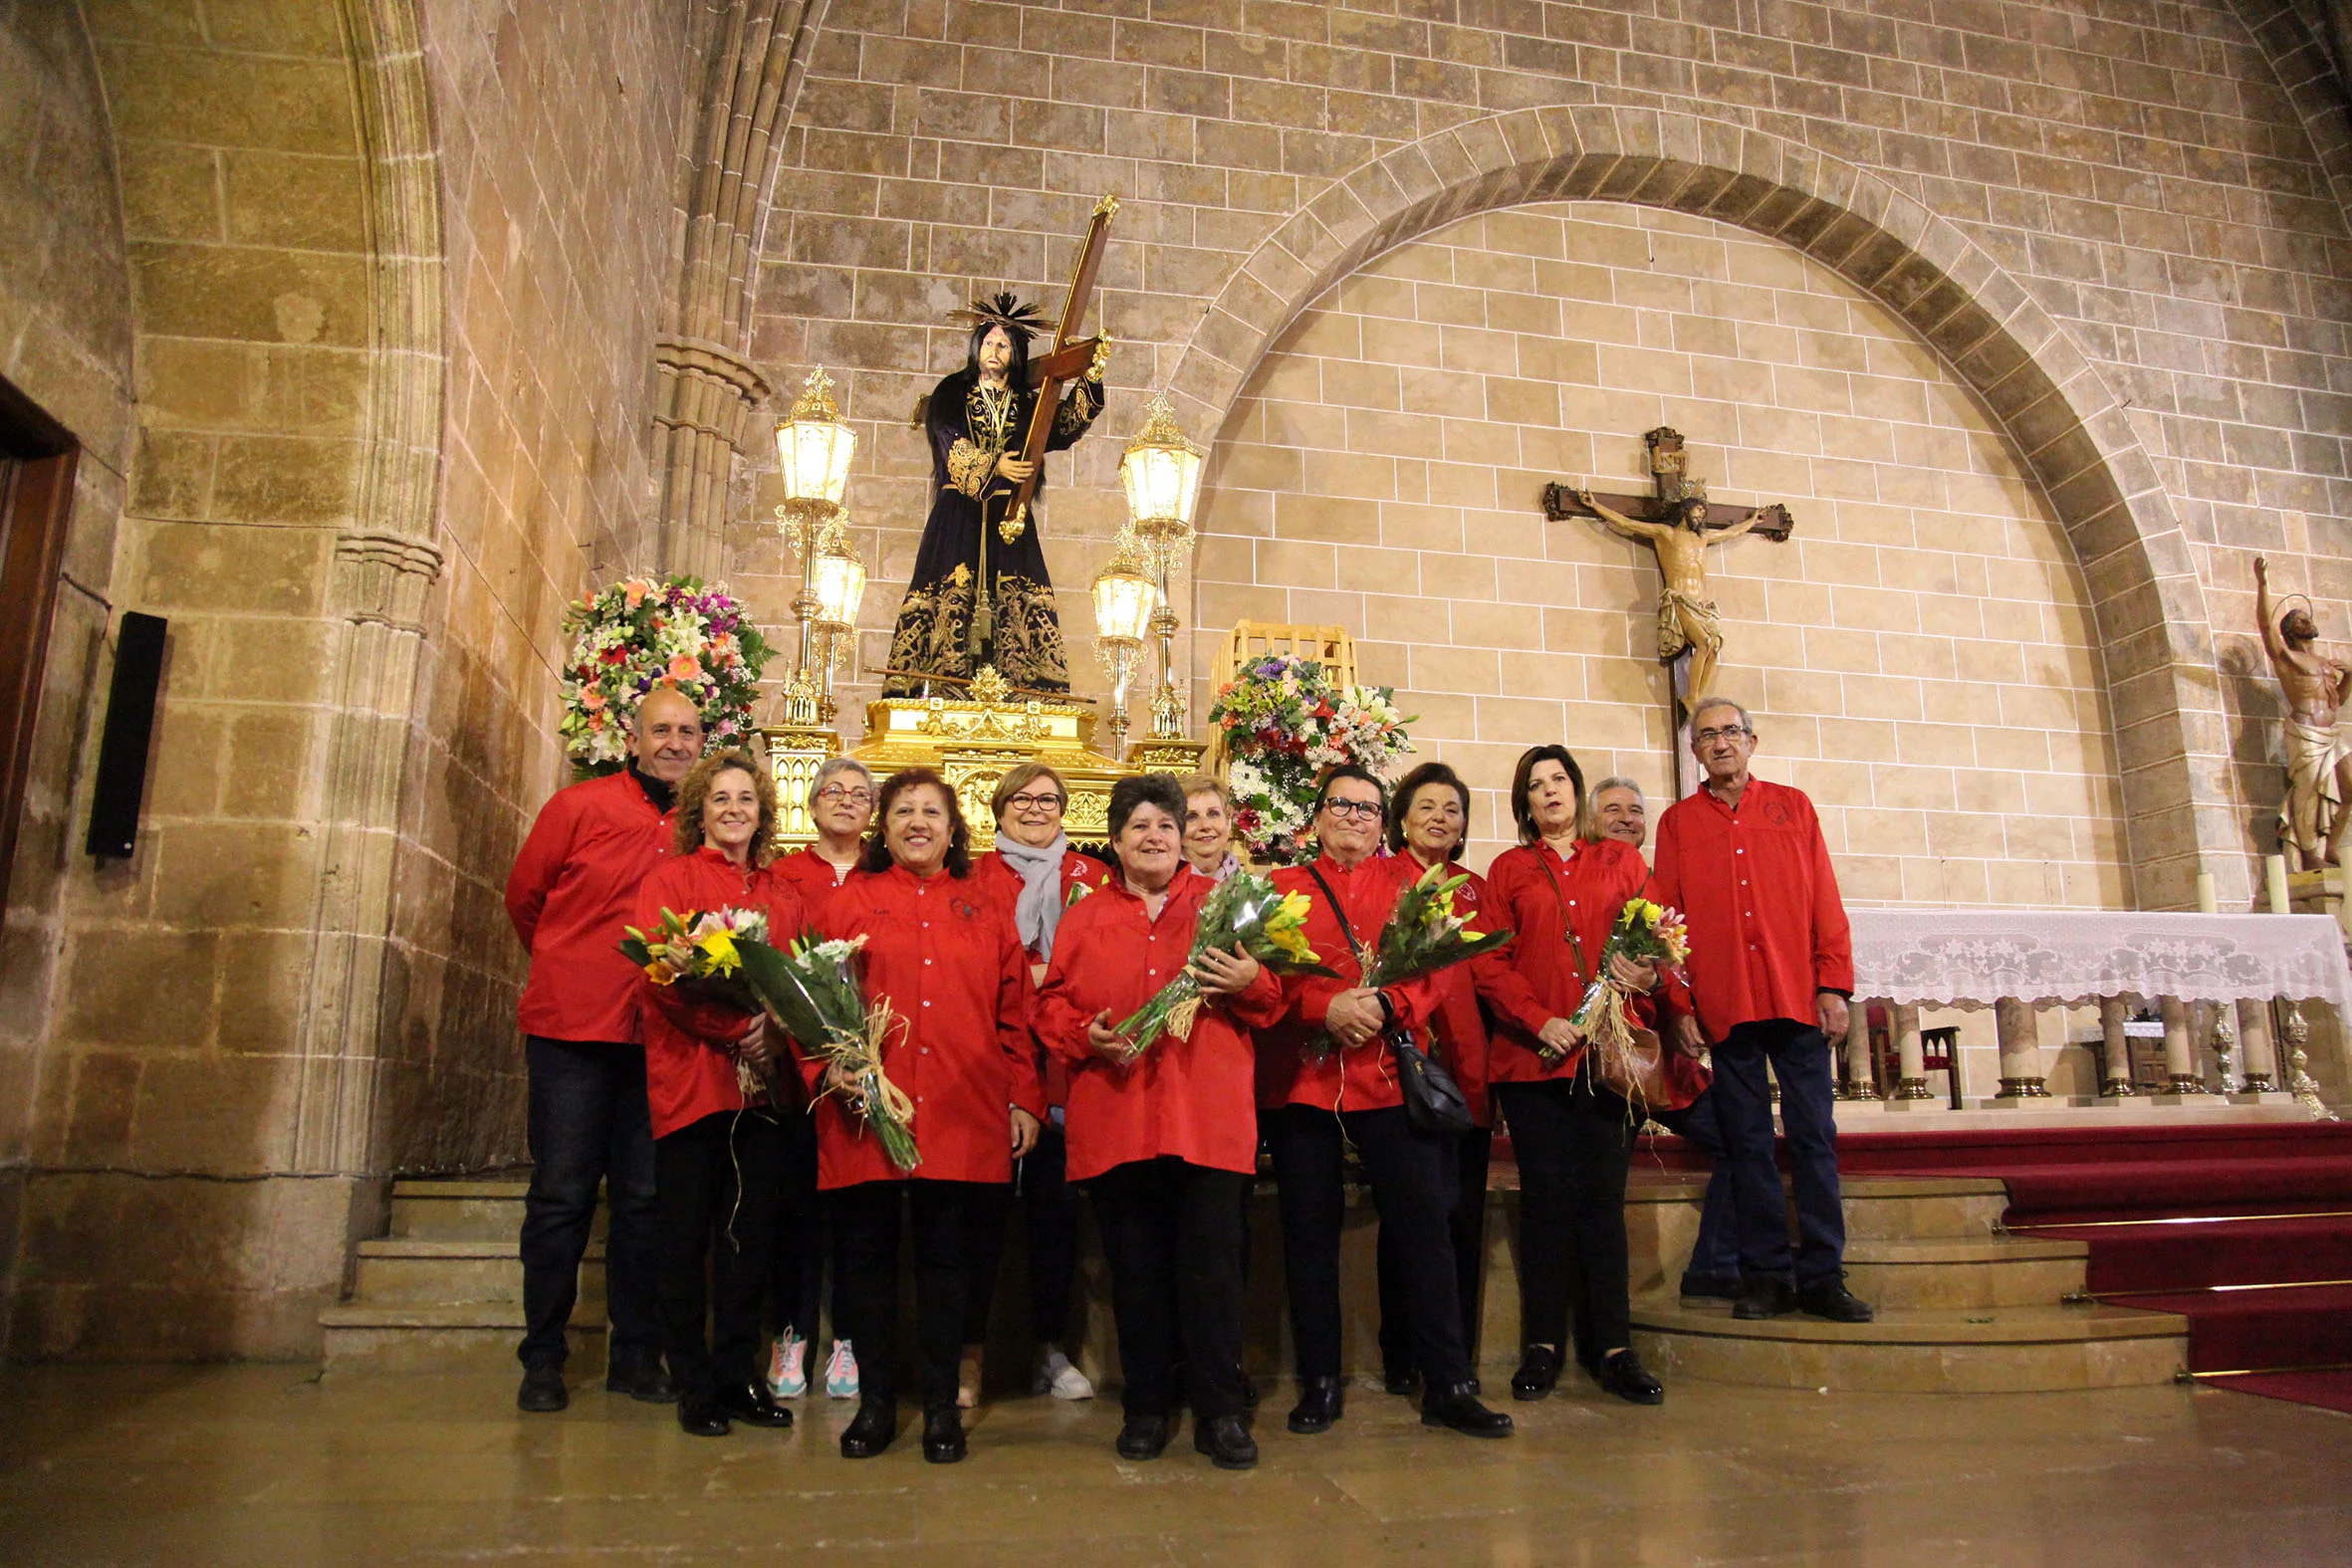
(1976, 957)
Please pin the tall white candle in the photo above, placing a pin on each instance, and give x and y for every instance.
(2207, 903)
(2274, 878)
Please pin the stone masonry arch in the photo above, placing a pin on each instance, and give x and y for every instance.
(2162, 686)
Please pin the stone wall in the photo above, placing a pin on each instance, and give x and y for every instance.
(2122, 230)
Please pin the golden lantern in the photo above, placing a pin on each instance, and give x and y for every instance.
(1124, 595)
(812, 452)
(1161, 472)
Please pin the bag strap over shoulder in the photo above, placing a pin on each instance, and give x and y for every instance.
(1340, 910)
(1566, 925)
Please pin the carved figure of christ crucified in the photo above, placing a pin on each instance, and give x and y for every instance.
(1677, 525)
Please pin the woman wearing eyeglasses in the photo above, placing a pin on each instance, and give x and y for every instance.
(1036, 875)
(1561, 891)
(1428, 823)
(841, 806)
(1312, 1106)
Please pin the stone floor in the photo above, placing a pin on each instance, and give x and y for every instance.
(268, 1464)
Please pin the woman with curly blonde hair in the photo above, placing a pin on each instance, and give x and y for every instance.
(718, 1146)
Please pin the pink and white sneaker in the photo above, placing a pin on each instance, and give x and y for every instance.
(788, 1366)
(840, 1373)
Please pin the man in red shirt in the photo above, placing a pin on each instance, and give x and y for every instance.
(1771, 970)
(573, 891)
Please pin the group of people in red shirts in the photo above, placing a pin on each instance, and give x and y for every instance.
(721, 1150)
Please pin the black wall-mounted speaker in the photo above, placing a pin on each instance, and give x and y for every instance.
(130, 725)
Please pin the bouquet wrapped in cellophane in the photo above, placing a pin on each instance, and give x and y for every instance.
(702, 951)
(1242, 911)
(814, 989)
(810, 988)
(1423, 935)
(1645, 933)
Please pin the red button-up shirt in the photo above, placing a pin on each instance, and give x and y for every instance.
(1768, 929)
(943, 952)
(814, 877)
(1192, 1098)
(1456, 1017)
(689, 1060)
(1361, 1078)
(1539, 978)
(570, 893)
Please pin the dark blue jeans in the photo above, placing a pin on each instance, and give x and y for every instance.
(1715, 1257)
(1799, 1057)
(589, 1124)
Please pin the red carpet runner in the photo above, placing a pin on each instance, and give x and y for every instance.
(2247, 1230)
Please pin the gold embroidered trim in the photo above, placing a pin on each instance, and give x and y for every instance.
(968, 468)
(935, 626)
(1078, 411)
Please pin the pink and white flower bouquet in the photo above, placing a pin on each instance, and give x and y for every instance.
(646, 632)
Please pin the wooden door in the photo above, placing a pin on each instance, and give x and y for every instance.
(37, 456)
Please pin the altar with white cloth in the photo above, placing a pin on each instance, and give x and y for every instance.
(2225, 985)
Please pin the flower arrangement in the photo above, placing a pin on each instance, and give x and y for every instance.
(1285, 722)
(1243, 911)
(646, 632)
(702, 951)
(1644, 932)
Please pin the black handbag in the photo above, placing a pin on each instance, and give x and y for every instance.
(1434, 1102)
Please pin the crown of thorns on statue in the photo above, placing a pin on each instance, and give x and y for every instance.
(1003, 310)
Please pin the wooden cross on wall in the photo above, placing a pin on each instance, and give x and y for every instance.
(1678, 524)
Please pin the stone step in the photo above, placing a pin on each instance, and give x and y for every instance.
(1959, 1272)
(1992, 1350)
(479, 1208)
(421, 1337)
(456, 1270)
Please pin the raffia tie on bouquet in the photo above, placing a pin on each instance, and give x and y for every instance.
(859, 1056)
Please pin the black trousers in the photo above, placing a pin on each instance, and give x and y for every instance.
(720, 1180)
(1172, 1233)
(1412, 1185)
(1467, 1220)
(865, 1219)
(1799, 1056)
(1049, 1207)
(1574, 1141)
(589, 1124)
(796, 1285)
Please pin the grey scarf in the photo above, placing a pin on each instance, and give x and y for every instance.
(1038, 912)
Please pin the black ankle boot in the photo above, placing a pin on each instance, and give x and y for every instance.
(1143, 1438)
(1318, 1406)
(751, 1404)
(1226, 1441)
(871, 1431)
(1537, 1374)
(943, 1435)
(1458, 1408)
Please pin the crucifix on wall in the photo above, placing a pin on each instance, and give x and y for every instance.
(1678, 524)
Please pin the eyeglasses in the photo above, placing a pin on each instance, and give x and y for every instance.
(1710, 737)
(844, 794)
(1362, 811)
(1032, 803)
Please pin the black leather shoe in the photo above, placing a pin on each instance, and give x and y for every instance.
(1460, 1409)
(943, 1435)
(1143, 1438)
(1319, 1404)
(542, 1391)
(1248, 1387)
(1624, 1376)
(645, 1381)
(1226, 1441)
(1398, 1380)
(870, 1432)
(1831, 1299)
(699, 1416)
(1710, 1287)
(1764, 1297)
(1537, 1374)
(751, 1404)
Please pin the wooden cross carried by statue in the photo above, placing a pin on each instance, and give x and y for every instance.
(1678, 524)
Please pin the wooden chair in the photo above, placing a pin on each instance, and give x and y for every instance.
(1939, 1051)
(1329, 646)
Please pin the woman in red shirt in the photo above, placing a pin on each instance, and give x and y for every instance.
(717, 1158)
(1561, 890)
(1428, 819)
(1039, 877)
(1167, 1145)
(1313, 1105)
(944, 956)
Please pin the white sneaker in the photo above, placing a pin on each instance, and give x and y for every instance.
(840, 1373)
(788, 1366)
(1056, 1376)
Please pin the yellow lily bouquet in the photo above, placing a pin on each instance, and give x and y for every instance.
(1644, 932)
(1246, 912)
